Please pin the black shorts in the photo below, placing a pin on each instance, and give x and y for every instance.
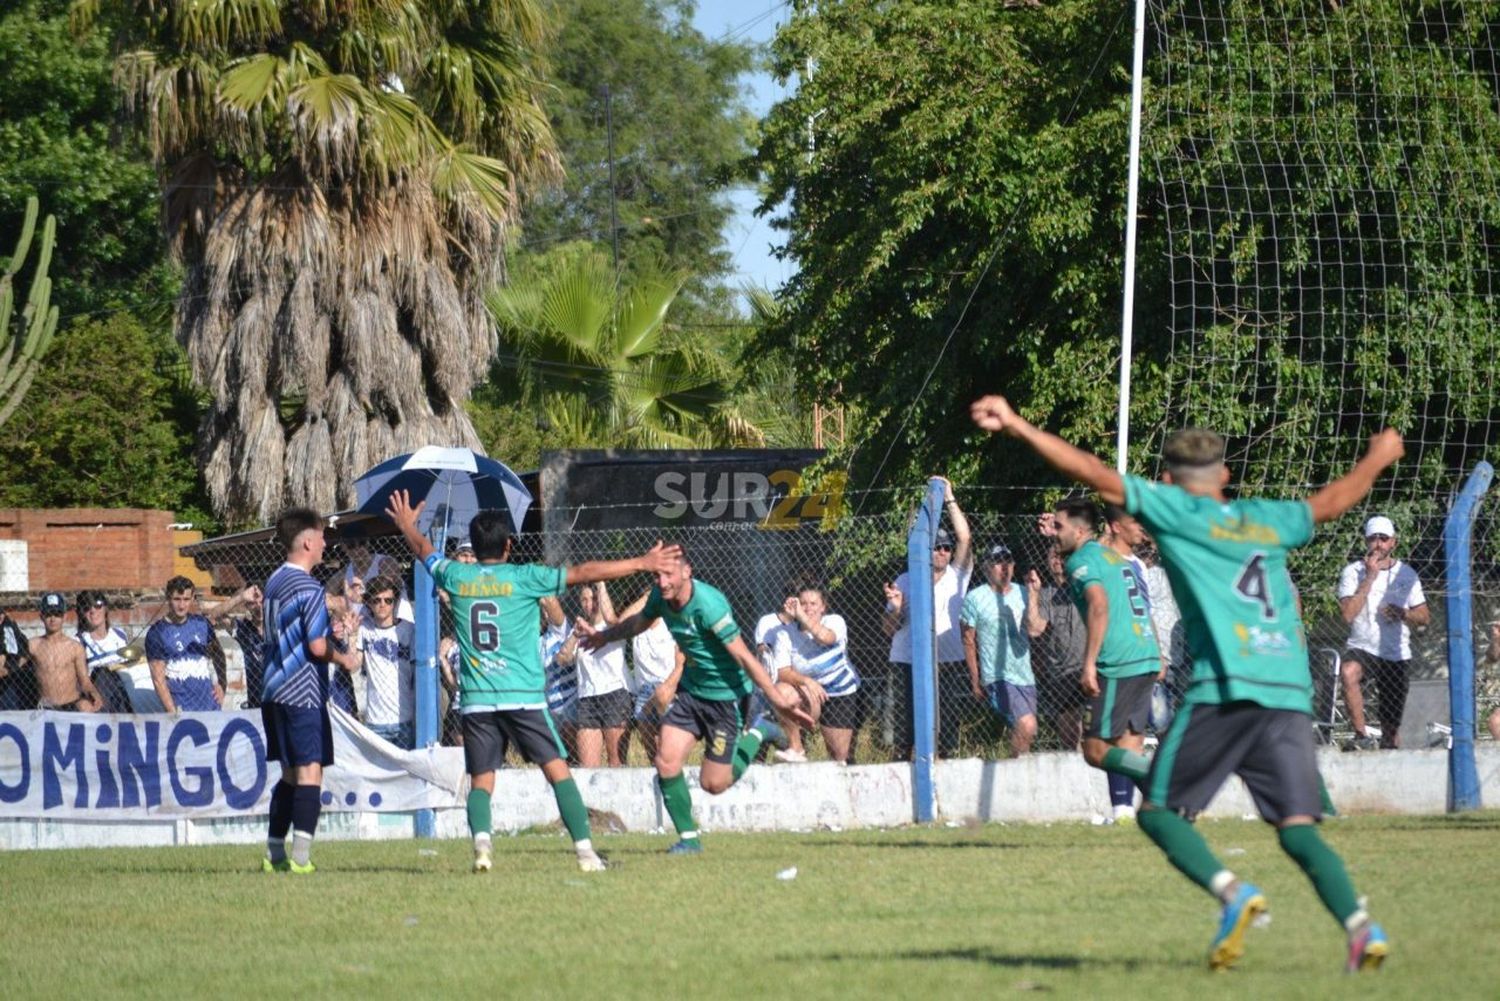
(607, 711)
(488, 735)
(1122, 706)
(297, 735)
(717, 724)
(1271, 750)
(844, 712)
(1058, 693)
(1391, 680)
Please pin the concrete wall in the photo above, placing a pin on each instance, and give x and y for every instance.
(822, 796)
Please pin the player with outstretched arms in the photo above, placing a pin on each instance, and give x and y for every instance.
(502, 687)
(1247, 710)
(706, 698)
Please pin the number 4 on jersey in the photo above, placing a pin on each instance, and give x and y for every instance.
(1254, 585)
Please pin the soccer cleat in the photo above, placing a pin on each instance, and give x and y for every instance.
(687, 846)
(266, 865)
(1229, 942)
(1367, 948)
(771, 733)
(297, 869)
(482, 860)
(592, 862)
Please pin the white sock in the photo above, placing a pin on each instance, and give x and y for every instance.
(584, 847)
(688, 836)
(301, 847)
(1356, 921)
(1220, 884)
(481, 840)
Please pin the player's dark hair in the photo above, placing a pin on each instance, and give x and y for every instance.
(813, 584)
(490, 534)
(1079, 509)
(179, 584)
(292, 522)
(1114, 514)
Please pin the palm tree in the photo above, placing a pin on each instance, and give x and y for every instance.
(600, 363)
(338, 180)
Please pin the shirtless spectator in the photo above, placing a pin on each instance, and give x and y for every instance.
(62, 671)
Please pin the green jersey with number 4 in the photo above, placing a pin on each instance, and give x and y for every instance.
(1129, 646)
(496, 620)
(1226, 562)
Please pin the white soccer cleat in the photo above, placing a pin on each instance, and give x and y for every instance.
(591, 862)
(482, 860)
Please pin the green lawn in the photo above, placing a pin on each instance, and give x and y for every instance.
(1070, 910)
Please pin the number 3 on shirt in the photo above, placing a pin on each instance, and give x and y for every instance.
(484, 628)
(1253, 585)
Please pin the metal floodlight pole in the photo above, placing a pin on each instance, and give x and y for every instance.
(1133, 181)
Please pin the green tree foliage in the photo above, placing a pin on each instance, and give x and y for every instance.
(60, 138)
(926, 138)
(338, 180)
(681, 135)
(99, 427)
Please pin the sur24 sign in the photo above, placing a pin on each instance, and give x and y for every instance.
(780, 500)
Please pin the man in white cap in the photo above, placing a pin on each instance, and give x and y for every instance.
(1381, 599)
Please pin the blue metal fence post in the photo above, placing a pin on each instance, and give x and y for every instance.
(425, 611)
(1458, 530)
(923, 642)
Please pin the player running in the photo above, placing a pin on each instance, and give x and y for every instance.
(502, 688)
(715, 680)
(1248, 706)
(1121, 660)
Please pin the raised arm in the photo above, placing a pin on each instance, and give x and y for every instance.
(994, 414)
(592, 639)
(1036, 622)
(404, 516)
(606, 605)
(762, 680)
(963, 536)
(217, 613)
(660, 557)
(1348, 490)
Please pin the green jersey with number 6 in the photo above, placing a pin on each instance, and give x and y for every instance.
(1129, 646)
(495, 617)
(1226, 562)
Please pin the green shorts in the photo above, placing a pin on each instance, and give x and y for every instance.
(1271, 750)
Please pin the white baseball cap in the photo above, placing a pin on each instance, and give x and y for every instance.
(1380, 525)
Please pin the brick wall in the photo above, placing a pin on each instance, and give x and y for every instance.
(70, 549)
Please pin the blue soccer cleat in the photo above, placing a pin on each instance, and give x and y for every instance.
(1229, 942)
(687, 846)
(1367, 948)
(771, 733)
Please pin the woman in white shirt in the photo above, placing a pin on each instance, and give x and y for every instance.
(604, 695)
(810, 655)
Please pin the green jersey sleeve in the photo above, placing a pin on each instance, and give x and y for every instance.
(655, 604)
(537, 580)
(715, 615)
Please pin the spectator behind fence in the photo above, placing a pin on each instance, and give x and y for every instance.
(62, 672)
(561, 679)
(365, 565)
(178, 649)
(17, 676)
(998, 622)
(381, 646)
(654, 656)
(952, 566)
(774, 651)
(811, 654)
(102, 646)
(343, 628)
(1381, 599)
(604, 696)
(1488, 688)
(1059, 648)
(250, 635)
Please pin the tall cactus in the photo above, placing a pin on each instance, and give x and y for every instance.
(27, 343)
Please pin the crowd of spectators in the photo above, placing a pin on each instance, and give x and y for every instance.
(1009, 646)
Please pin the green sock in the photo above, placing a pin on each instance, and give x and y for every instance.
(1329, 810)
(745, 751)
(679, 803)
(575, 816)
(1184, 846)
(478, 808)
(1130, 764)
(1323, 866)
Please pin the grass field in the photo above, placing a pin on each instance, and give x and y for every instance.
(1069, 910)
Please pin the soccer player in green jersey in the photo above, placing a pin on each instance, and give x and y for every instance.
(706, 698)
(1121, 660)
(502, 688)
(1248, 706)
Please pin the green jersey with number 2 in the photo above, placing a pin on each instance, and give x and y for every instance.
(1226, 562)
(496, 620)
(1129, 646)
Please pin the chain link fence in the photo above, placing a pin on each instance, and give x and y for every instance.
(850, 557)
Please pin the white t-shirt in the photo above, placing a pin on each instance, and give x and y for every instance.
(655, 654)
(603, 670)
(1166, 616)
(947, 605)
(767, 628)
(827, 665)
(390, 678)
(1389, 639)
